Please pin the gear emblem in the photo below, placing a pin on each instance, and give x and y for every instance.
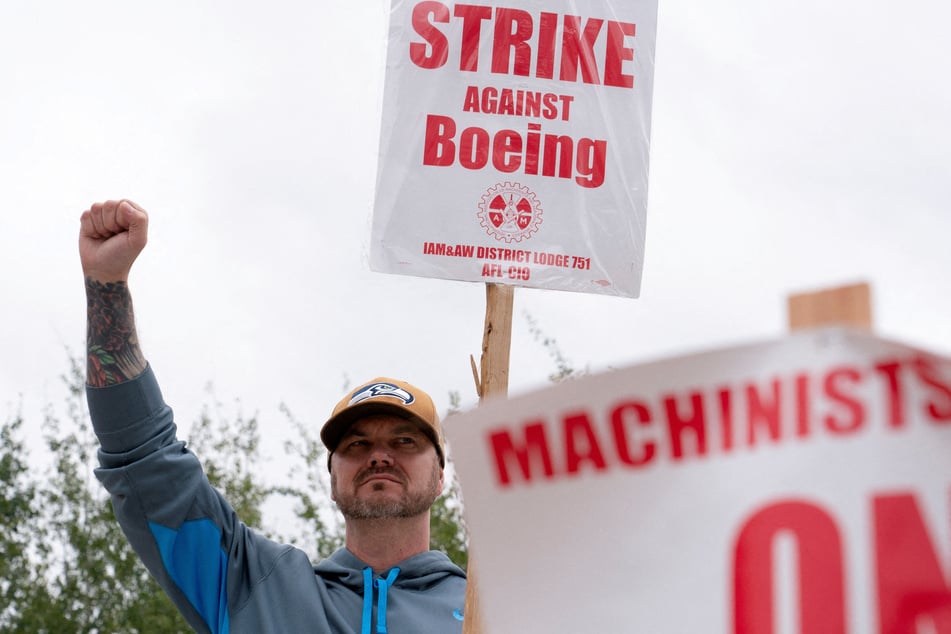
(510, 212)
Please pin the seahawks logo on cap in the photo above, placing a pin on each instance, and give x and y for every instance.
(381, 389)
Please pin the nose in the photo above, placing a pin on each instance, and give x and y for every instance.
(379, 457)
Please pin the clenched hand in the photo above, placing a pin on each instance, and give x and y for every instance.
(111, 236)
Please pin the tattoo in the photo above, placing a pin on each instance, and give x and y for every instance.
(112, 347)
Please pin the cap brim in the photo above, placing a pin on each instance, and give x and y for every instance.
(335, 427)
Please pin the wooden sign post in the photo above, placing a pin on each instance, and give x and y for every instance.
(492, 381)
(849, 305)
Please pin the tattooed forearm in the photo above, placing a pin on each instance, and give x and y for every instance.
(112, 348)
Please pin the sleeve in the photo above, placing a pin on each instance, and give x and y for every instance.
(184, 531)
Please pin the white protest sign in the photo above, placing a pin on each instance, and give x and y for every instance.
(802, 485)
(514, 143)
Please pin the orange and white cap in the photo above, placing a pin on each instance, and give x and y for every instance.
(384, 396)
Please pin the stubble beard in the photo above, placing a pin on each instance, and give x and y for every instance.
(409, 504)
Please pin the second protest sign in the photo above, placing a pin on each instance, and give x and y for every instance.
(798, 485)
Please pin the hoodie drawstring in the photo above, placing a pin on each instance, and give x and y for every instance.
(383, 585)
(367, 599)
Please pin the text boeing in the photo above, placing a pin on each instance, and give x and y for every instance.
(548, 46)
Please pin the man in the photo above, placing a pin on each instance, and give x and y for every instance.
(386, 463)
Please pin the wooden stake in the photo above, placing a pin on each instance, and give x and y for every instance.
(496, 341)
(849, 305)
(493, 382)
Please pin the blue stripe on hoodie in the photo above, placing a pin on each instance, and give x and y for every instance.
(193, 557)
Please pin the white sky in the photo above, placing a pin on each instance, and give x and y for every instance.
(795, 145)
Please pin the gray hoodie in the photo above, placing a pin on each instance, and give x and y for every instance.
(223, 576)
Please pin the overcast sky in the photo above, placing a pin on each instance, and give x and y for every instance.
(795, 146)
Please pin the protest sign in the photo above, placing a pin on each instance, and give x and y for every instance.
(514, 143)
(801, 485)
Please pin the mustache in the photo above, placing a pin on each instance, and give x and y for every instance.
(375, 471)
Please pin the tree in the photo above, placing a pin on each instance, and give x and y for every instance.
(229, 449)
(18, 520)
(94, 582)
(564, 370)
(322, 532)
(447, 526)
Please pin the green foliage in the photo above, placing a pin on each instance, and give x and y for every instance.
(447, 526)
(322, 525)
(563, 368)
(77, 573)
(229, 449)
(447, 529)
(18, 520)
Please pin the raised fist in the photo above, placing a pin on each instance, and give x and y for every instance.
(111, 236)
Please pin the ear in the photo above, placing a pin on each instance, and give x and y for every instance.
(333, 478)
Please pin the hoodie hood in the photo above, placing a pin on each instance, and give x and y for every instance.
(419, 572)
(390, 592)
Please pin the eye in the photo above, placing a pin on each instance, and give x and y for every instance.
(354, 444)
(405, 441)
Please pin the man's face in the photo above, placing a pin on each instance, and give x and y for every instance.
(385, 467)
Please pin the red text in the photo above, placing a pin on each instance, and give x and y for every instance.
(547, 45)
(635, 432)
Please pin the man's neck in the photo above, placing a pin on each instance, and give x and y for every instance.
(384, 543)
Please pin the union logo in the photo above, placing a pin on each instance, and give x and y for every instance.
(510, 212)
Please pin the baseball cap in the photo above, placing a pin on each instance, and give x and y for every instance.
(384, 396)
